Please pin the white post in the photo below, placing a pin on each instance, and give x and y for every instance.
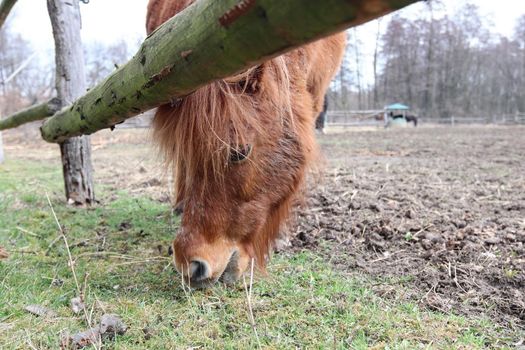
(1, 145)
(1, 150)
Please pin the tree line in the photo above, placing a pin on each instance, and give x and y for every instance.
(36, 82)
(440, 65)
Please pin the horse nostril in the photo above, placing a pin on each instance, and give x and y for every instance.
(199, 270)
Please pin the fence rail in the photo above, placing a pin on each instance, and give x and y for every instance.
(338, 118)
(358, 118)
(502, 120)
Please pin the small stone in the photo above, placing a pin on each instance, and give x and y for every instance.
(112, 324)
(57, 282)
(492, 240)
(3, 254)
(433, 237)
(81, 339)
(426, 244)
(510, 237)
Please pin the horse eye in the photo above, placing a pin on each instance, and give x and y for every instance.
(237, 155)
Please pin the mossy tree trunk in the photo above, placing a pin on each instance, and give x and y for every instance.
(208, 41)
(70, 84)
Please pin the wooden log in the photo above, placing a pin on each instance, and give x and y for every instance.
(70, 84)
(210, 40)
(31, 114)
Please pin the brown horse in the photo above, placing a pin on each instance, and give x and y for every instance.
(239, 149)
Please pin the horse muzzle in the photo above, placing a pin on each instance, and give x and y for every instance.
(201, 267)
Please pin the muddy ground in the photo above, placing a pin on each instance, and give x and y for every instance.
(437, 212)
(440, 209)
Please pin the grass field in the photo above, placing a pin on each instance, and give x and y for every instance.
(120, 255)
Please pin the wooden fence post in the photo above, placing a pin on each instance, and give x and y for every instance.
(1, 149)
(71, 84)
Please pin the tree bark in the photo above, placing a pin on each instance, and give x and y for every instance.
(31, 114)
(358, 71)
(5, 8)
(210, 40)
(70, 84)
(375, 63)
(429, 83)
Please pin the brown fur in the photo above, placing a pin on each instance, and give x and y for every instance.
(272, 108)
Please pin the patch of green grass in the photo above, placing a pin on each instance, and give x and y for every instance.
(120, 251)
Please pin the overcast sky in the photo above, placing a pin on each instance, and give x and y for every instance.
(104, 21)
(109, 21)
(112, 20)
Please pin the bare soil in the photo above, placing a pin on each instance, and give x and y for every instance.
(440, 209)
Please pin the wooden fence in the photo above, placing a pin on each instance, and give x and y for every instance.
(340, 118)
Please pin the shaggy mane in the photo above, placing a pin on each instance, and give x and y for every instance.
(198, 132)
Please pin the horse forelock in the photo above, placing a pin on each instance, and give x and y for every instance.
(198, 133)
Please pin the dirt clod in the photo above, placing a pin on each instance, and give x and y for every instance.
(77, 305)
(110, 325)
(3, 253)
(41, 311)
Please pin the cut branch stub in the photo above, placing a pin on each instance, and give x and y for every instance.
(5, 9)
(31, 114)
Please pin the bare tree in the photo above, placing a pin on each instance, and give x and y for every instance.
(358, 69)
(70, 84)
(102, 60)
(376, 63)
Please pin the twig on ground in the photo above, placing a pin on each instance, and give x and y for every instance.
(72, 267)
(145, 261)
(422, 230)
(187, 293)
(29, 342)
(84, 285)
(63, 237)
(249, 298)
(27, 231)
(100, 305)
(52, 244)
